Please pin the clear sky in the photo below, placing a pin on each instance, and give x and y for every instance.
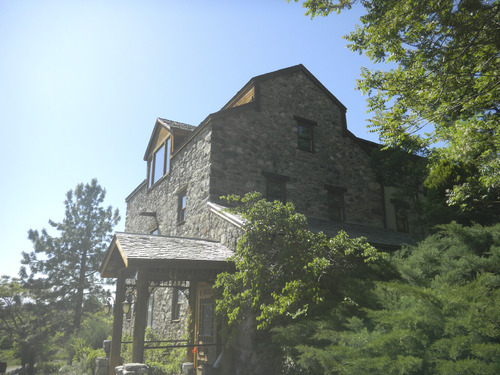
(82, 83)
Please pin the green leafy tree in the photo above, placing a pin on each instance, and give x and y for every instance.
(28, 325)
(442, 94)
(62, 271)
(441, 316)
(285, 273)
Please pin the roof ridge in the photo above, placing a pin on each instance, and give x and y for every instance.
(176, 123)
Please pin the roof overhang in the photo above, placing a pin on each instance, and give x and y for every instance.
(130, 251)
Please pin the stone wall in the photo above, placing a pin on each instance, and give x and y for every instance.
(189, 170)
(163, 325)
(263, 138)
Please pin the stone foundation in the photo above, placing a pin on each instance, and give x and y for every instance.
(132, 369)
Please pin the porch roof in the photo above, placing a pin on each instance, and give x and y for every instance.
(141, 251)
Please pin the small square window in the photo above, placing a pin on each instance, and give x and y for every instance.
(275, 191)
(276, 186)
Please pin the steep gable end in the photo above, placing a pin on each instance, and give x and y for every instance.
(248, 93)
(165, 128)
(244, 96)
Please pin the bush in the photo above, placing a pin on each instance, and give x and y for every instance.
(47, 368)
(162, 361)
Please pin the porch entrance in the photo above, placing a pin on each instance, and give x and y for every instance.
(205, 353)
(153, 259)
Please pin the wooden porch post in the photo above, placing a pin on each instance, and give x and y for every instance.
(116, 340)
(140, 322)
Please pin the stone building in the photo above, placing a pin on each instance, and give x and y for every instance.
(283, 134)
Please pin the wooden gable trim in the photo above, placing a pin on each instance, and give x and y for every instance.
(114, 260)
(244, 96)
(156, 135)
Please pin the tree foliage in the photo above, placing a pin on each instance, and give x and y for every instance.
(442, 95)
(441, 316)
(62, 270)
(285, 272)
(27, 325)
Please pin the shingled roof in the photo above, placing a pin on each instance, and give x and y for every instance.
(377, 237)
(132, 250)
(175, 124)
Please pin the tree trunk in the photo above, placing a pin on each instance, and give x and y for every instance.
(79, 292)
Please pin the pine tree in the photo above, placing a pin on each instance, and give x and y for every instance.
(440, 317)
(62, 271)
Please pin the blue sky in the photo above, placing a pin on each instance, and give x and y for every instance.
(82, 83)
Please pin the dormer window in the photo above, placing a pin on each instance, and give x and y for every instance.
(159, 163)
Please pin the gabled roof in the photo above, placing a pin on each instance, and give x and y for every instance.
(173, 127)
(282, 72)
(132, 250)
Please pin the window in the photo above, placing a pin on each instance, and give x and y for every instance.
(182, 206)
(177, 298)
(150, 310)
(401, 212)
(276, 186)
(336, 206)
(129, 314)
(159, 164)
(305, 134)
(155, 231)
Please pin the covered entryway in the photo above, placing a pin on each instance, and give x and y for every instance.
(150, 259)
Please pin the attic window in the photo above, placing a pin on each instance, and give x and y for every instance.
(159, 162)
(305, 134)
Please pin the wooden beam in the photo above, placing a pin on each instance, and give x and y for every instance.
(141, 315)
(116, 340)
